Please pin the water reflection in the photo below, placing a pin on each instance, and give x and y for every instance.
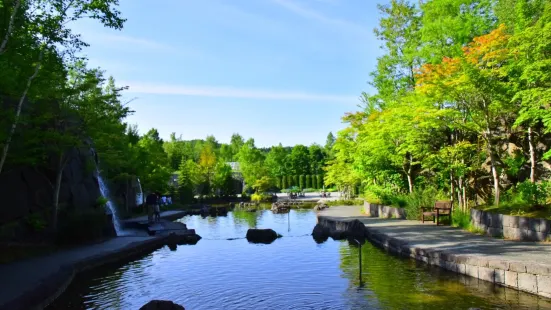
(294, 272)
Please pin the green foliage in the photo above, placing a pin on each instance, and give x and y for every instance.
(262, 185)
(452, 89)
(461, 219)
(345, 202)
(301, 181)
(102, 201)
(36, 222)
(262, 197)
(284, 182)
(534, 194)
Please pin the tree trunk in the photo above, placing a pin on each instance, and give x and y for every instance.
(408, 174)
(465, 204)
(532, 156)
(496, 181)
(460, 201)
(18, 112)
(452, 188)
(10, 27)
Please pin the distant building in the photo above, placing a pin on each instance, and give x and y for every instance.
(234, 166)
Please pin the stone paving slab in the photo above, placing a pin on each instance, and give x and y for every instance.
(20, 278)
(525, 266)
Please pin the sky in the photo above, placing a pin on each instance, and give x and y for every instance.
(279, 71)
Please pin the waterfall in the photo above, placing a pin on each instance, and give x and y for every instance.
(139, 195)
(105, 193)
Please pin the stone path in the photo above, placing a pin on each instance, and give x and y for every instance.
(21, 277)
(522, 265)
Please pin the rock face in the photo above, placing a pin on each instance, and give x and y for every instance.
(338, 229)
(28, 190)
(265, 236)
(161, 305)
(320, 207)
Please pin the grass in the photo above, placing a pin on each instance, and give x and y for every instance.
(519, 209)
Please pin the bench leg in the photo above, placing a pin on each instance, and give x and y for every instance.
(437, 216)
(422, 218)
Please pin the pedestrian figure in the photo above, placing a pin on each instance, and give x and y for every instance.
(151, 202)
(157, 208)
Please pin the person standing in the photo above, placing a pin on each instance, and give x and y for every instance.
(151, 202)
(158, 208)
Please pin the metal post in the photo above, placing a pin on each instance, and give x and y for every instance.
(359, 261)
(289, 220)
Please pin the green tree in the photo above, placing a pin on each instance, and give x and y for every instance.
(46, 25)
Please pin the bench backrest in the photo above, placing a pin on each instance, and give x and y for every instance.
(443, 204)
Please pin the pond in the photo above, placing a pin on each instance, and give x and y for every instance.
(294, 272)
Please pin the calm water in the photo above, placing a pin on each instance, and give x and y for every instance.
(292, 273)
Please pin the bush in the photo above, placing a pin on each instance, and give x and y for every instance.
(261, 197)
(310, 190)
(534, 194)
(461, 219)
(351, 202)
(331, 190)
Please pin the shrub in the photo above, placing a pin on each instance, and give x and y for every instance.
(535, 194)
(331, 190)
(308, 183)
(421, 197)
(101, 201)
(309, 190)
(461, 219)
(261, 197)
(284, 182)
(301, 181)
(350, 202)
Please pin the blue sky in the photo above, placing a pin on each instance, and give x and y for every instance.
(275, 70)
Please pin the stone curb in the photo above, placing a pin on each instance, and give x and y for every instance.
(523, 276)
(55, 284)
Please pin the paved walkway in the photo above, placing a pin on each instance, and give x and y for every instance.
(429, 236)
(21, 277)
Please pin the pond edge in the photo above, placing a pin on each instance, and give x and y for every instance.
(527, 277)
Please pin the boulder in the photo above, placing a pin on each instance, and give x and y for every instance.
(265, 236)
(320, 207)
(161, 305)
(320, 233)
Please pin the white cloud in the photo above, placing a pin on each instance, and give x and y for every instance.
(312, 14)
(231, 92)
(124, 40)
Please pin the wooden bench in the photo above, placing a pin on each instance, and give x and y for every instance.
(441, 208)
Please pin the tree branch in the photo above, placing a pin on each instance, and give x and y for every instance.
(10, 28)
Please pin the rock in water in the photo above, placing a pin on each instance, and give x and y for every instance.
(320, 233)
(161, 305)
(265, 236)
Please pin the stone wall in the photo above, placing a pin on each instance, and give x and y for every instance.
(511, 227)
(376, 210)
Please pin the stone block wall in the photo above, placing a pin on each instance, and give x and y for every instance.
(376, 210)
(511, 227)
